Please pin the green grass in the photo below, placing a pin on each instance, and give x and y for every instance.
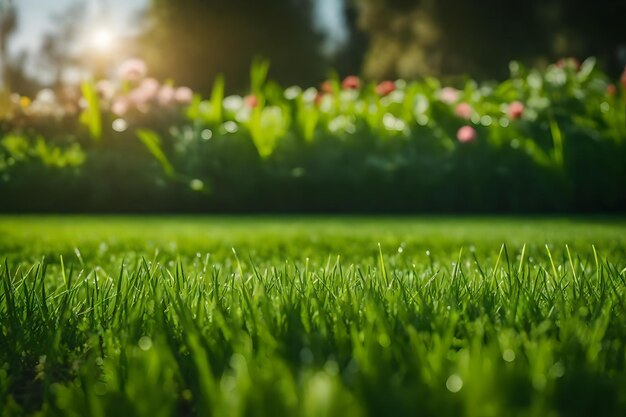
(106, 316)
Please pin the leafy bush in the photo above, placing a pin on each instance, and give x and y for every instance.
(543, 140)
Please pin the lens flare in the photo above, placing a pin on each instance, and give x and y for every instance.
(102, 39)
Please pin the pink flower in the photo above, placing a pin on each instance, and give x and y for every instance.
(140, 97)
(570, 62)
(515, 110)
(150, 87)
(351, 82)
(166, 95)
(183, 95)
(385, 88)
(106, 89)
(251, 101)
(463, 110)
(449, 95)
(120, 106)
(132, 70)
(611, 89)
(622, 80)
(466, 134)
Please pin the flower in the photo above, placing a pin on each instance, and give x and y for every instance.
(318, 98)
(466, 134)
(106, 89)
(120, 106)
(449, 95)
(622, 80)
(166, 95)
(385, 88)
(611, 89)
(251, 101)
(24, 101)
(515, 110)
(140, 97)
(46, 96)
(570, 62)
(463, 110)
(150, 88)
(351, 82)
(183, 95)
(132, 70)
(327, 87)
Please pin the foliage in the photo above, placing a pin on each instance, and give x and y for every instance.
(91, 113)
(19, 150)
(153, 143)
(311, 317)
(527, 135)
(542, 140)
(447, 37)
(232, 34)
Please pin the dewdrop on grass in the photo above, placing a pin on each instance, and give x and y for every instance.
(206, 134)
(508, 355)
(454, 383)
(145, 343)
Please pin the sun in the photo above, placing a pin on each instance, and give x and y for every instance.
(102, 39)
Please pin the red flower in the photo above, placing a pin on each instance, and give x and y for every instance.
(515, 110)
(251, 101)
(318, 98)
(466, 134)
(622, 80)
(385, 88)
(351, 82)
(611, 89)
(463, 110)
(327, 87)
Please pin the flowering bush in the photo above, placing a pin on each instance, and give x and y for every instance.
(135, 96)
(550, 139)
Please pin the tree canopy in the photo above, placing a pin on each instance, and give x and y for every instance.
(194, 40)
(434, 37)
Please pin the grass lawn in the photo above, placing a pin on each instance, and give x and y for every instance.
(312, 316)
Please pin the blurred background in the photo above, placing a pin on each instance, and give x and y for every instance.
(312, 106)
(52, 43)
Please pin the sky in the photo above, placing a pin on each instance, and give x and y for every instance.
(35, 18)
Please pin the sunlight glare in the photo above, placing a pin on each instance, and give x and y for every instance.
(102, 39)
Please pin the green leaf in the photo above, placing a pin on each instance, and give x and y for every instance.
(16, 145)
(557, 139)
(91, 116)
(267, 126)
(586, 69)
(537, 154)
(153, 142)
(258, 74)
(217, 96)
(308, 117)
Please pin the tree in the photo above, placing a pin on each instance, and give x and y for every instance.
(410, 38)
(194, 40)
(8, 24)
(349, 58)
(18, 78)
(59, 49)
